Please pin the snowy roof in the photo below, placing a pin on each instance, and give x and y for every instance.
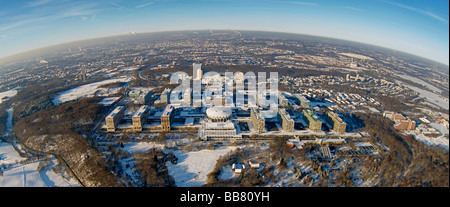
(140, 111)
(218, 112)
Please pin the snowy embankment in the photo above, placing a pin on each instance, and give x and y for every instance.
(87, 90)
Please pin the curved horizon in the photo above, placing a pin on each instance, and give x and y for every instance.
(416, 27)
(175, 31)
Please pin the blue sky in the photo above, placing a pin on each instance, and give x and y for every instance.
(419, 27)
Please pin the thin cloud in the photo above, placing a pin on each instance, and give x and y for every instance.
(38, 3)
(38, 18)
(144, 5)
(427, 13)
(303, 3)
(117, 5)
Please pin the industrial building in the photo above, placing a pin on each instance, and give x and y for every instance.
(339, 126)
(114, 118)
(312, 120)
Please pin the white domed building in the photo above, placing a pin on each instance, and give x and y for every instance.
(218, 125)
(219, 113)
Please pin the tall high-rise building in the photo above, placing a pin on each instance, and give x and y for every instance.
(198, 73)
(312, 120)
(167, 118)
(304, 103)
(139, 118)
(114, 118)
(282, 100)
(258, 122)
(286, 122)
(338, 124)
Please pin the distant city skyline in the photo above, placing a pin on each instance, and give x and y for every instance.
(419, 27)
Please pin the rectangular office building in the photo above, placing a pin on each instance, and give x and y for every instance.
(114, 118)
(339, 126)
(286, 122)
(139, 118)
(312, 120)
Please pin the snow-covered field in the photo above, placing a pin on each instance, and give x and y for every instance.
(438, 141)
(8, 123)
(87, 90)
(9, 93)
(8, 155)
(26, 175)
(432, 98)
(140, 146)
(193, 167)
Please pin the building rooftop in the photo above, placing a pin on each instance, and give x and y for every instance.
(311, 114)
(115, 111)
(167, 111)
(140, 111)
(219, 112)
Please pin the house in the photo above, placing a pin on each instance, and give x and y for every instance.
(238, 168)
(253, 164)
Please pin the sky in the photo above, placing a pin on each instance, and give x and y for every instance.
(419, 27)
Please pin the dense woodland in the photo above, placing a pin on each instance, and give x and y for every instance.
(63, 131)
(408, 162)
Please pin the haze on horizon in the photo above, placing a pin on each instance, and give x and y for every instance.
(418, 27)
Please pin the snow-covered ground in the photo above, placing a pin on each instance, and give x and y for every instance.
(87, 90)
(26, 175)
(193, 167)
(8, 155)
(9, 94)
(140, 146)
(8, 123)
(419, 81)
(438, 141)
(432, 98)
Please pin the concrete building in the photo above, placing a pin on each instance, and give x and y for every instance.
(218, 131)
(218, 125)
(312, 120)
(286, 122)
(198, 72)
(167, 118)
(282, 100)
(165, 96)
(258, 122)
(304, 103)
(339, 126)
(139, 118)
(114, 118)
(407, 124)
(144, 97)
(400, 122)
(219, 113)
